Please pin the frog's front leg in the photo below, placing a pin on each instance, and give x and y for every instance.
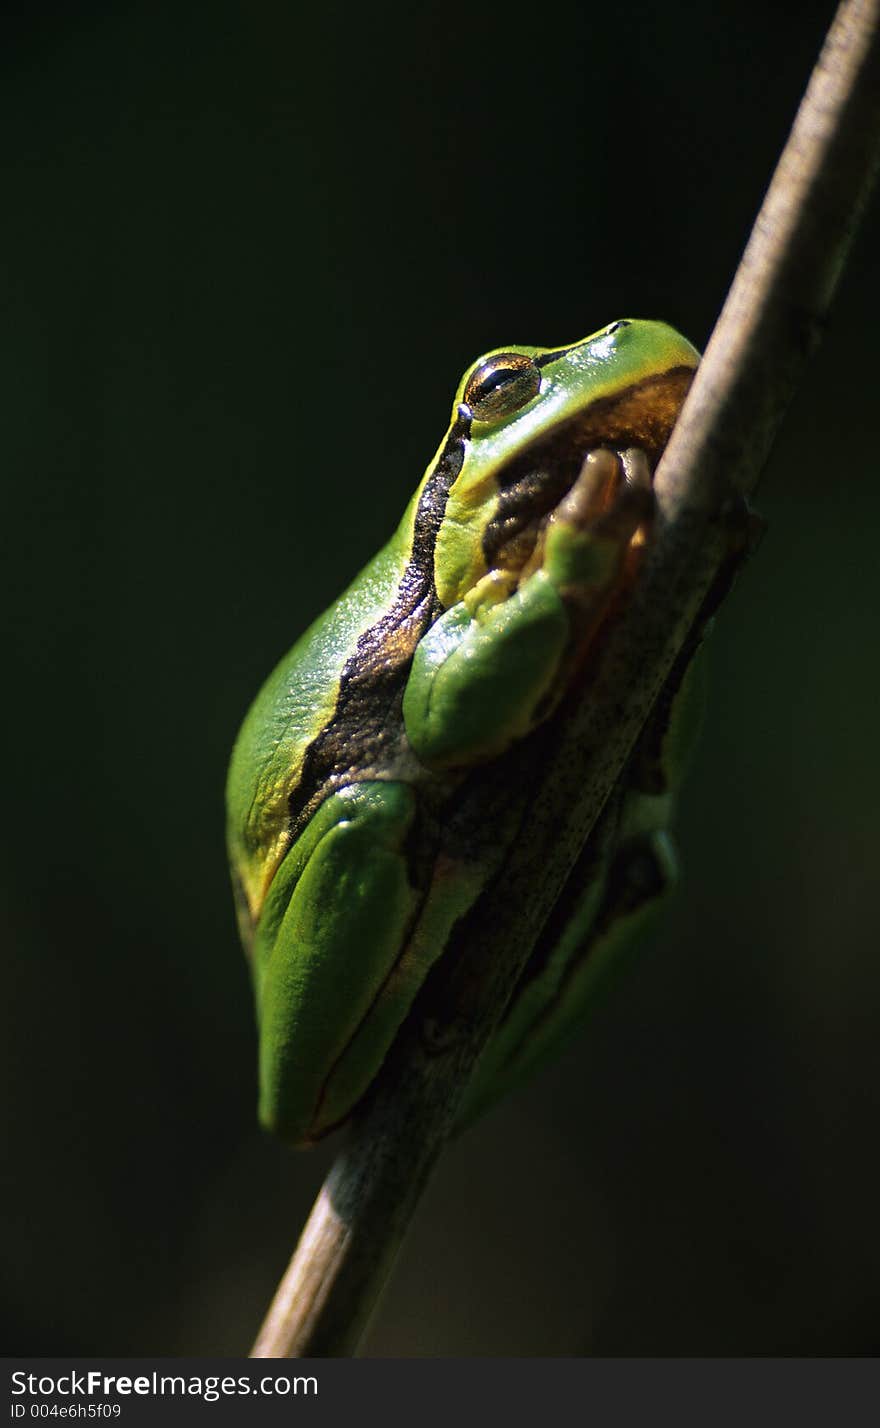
(495, 664)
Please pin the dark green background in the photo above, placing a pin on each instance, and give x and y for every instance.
(248, 249)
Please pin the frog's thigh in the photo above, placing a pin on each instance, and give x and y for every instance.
(476, 680)
(322, 980)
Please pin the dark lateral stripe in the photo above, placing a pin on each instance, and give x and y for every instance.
(556, 355)
(366, 720)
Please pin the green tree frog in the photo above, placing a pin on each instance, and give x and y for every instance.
(458, 641)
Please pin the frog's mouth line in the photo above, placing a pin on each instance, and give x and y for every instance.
(533, 484)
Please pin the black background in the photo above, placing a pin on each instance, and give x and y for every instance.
(248, 250)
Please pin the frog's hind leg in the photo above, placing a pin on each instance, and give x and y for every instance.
(617, 884)
(327, 951)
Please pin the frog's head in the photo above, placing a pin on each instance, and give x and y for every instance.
(527, 417)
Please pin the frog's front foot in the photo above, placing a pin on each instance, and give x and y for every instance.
(591, 542)
(613, 491)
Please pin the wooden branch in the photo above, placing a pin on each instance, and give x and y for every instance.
(771, 322)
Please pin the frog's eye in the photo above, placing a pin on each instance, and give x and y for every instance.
(616, 326)
(501, 385)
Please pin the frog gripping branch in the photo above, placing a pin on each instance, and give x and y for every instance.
(458, 641)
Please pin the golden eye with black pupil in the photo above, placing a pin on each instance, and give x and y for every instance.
(616, 326)
(501, 385)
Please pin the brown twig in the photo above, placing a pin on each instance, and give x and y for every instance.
(771, 321)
